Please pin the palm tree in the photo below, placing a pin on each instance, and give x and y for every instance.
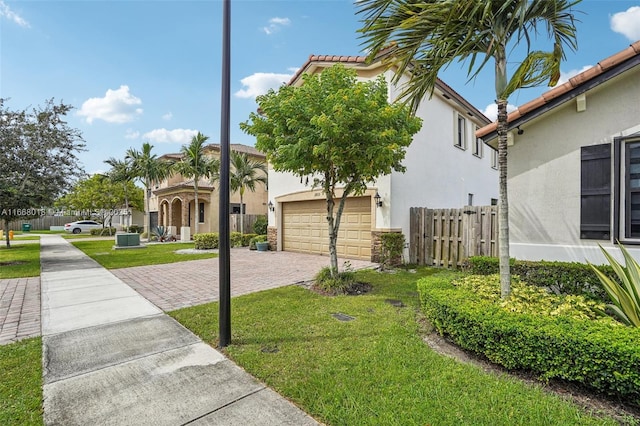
(121, 172)
(429, 35)
(148, 168)
(195, 164)
(244, 174)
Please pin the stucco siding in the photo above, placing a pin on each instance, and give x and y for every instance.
(544, 169)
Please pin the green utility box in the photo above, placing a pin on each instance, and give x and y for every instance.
(127, 240)
(26, 227)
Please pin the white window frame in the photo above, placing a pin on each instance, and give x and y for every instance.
(494, 159)
(460, 131)
(477, 145)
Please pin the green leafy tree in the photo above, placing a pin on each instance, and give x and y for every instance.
(195, 164)
(148, 168)
(38, 159)
(102, 197)
(429, 35)
(335, 130)
(245, 174)
(122, 172)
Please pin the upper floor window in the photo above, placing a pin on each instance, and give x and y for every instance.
(477, 146)
(201, 212)
(494, 158)
(461, 133)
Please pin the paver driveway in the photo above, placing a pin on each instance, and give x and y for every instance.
(178, 285)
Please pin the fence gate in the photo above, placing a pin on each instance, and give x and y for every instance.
(445, 237)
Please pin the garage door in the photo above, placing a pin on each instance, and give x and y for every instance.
(305, 229)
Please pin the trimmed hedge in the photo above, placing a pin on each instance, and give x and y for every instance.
(102, 231)
(206, 241)
(601, 355)
(260, 225)
(559, 277)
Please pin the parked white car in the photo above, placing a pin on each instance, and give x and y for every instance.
(82, 226)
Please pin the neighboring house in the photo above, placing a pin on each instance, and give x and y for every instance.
(446, 167)
(574, 165)
(172, 203)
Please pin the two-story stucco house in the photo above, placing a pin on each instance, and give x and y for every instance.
(172, 203)
(446, 167)
(574, 165)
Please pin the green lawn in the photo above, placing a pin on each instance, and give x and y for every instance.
(375, 369)
(21, 260)
(154, 254)
(21, 383)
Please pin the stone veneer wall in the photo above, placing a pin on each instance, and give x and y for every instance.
(376, 247)
(272, 237)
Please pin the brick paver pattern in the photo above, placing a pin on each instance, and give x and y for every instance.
(19, 309)
(178, 285)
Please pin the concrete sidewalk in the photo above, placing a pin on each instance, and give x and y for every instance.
(112, 357)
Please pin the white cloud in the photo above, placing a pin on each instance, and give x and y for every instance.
(259, 83)
(491, 111)
(170, 136)
(566, 75)
(132, 134)
(117, 106)
(6, 12)
(275, 24)
(168, 116)
(627, 23)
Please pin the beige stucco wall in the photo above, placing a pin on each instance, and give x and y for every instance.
(544, 170)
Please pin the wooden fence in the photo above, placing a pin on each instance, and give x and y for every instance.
(249, 220)
(445, 237)
(41, 223)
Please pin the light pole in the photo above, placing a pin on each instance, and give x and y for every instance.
(224, 318)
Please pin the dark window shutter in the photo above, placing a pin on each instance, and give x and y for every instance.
(595, 192)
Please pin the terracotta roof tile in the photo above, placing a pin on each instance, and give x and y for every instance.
(574, 82)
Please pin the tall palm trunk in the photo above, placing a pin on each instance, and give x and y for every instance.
(503, 207)
(197, 204)
(241, 211)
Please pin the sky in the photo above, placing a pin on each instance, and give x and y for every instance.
(150, 70)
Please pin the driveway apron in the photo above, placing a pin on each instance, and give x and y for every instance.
(110, 357)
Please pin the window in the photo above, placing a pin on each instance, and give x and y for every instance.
(626, 214)
(477, 146)
(235, 208)
(461, 135)
(201, 212)
(470, 199)
(494, 158)
(595, 192)
(494, 201)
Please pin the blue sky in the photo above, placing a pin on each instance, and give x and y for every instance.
(151, 70)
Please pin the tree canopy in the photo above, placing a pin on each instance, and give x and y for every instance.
(101, 198)
(38, 158)
(336, 131)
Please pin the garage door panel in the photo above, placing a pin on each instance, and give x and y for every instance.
(305, 228)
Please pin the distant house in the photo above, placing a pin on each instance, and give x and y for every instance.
(446, 167)
(172, 203)
(574, 165)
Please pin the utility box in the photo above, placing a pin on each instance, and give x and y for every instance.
(26, 227)
(128, 240)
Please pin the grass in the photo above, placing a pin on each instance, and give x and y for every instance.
(21, 260)
(375, 369)
(154, 254)
(21, 383)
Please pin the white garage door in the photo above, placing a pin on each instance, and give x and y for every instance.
(305, 228)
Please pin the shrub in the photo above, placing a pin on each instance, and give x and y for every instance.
(103, 231)
(339, 285)
(625, 294)
(206, 241)
(391, 247)
(260, 225)
(137, 229)
(235, 239)
(256, 239)
(600, 354)
(560, 277)
(246, 239)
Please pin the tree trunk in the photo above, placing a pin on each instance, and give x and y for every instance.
(241, 211)
(197, 205)
(333, 237)
(503, 210)
(148, 213)
(6, 233)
